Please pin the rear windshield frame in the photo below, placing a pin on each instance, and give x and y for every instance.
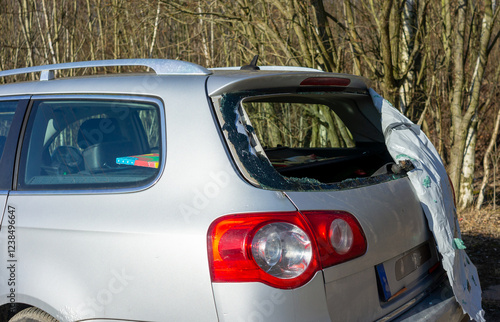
(255, 167)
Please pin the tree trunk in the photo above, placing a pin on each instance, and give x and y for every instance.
(390, 85)
(101, 30)
(155, 31)
(324, 39)
(408, 29)
(486, 161)
(25, 20)
(462, 121)
(459, 124)
(49, 37)
(467, 179)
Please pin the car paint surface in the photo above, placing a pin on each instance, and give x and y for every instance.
(141, 253)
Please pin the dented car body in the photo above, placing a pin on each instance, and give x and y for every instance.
(251, 195)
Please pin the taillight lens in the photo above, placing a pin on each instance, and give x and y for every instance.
(325, 81)
(341, 236)
(338, 235)
(273, 248)
(281, 249)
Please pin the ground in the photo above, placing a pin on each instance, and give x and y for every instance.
(481, 234)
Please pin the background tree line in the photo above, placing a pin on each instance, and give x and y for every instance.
(436, 61)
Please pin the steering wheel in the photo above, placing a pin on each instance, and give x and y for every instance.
(67, 160)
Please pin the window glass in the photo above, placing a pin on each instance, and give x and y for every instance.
(296, 133)
(86, 144)
(304, 141)
(7, 110)
(297, 125)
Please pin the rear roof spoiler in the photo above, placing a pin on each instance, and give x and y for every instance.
(274, 68)
(284, 79)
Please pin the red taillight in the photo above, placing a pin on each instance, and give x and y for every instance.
(338, 235)
(281, 249)
(273, 248)
(325, 81)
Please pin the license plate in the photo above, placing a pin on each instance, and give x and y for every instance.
(411, 261)
(390, 273)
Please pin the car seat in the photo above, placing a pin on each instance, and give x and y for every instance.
(102, 142)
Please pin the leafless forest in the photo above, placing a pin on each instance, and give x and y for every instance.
(437, 61)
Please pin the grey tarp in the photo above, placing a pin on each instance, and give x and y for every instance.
(405, 141)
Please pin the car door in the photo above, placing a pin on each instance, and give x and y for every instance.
(94, 240)
(12, 111)
(67, 203)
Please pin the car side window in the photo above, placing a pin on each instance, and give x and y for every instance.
(7, 110)
(90, 144)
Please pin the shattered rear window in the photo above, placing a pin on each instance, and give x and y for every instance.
(297, 125)
(302, 142)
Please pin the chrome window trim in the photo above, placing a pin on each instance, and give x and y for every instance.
(150, 99)
(15, 98)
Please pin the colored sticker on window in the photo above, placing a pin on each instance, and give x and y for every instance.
(150, 160)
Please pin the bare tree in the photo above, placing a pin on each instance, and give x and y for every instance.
(433, 60)
(463, 109)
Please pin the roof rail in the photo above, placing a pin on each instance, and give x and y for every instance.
(160, 66)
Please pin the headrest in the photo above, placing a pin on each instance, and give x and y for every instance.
(94, 131)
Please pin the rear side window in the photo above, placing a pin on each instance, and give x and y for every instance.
(91, 144)
(7, 110)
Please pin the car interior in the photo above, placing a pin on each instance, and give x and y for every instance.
(84, 142)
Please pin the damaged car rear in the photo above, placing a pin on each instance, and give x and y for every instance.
(357, 247)
(250, 194)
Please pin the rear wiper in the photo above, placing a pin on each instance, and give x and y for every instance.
(401, 167)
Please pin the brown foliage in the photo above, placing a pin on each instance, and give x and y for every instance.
(413, 50)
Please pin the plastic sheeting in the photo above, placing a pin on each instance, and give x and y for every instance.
(406, 142)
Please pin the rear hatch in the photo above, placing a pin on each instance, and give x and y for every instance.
(317, 137)
(398, 265)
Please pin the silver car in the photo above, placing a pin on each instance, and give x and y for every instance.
(190, 194)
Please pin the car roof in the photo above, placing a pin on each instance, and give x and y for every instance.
(224, 79)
